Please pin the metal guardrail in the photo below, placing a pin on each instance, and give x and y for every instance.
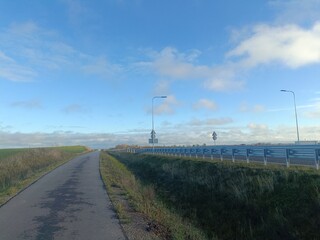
(305, 155)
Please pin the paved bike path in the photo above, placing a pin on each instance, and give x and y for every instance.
(68, 203)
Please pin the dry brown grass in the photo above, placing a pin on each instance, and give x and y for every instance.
(19, 168)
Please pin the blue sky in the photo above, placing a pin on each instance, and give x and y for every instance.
(84, 72)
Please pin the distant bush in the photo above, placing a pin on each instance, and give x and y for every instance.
(235, 201)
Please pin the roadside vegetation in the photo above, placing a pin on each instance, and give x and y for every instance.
(125, 189)
(230, 200)
(20, 167)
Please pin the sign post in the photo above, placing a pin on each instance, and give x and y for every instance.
(153, 139)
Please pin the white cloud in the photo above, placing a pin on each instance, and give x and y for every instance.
(166, 106)
(223, 84)
(210, 122)
(76, 10)
(205, 104)
(313, 110)
(296, 11)
(28, 104)
(257, 127)
(66, 138)
(313, 114)
(199, 131)
(162, 88)
(100, 66)
(257, 108)
(290, 45)
(193, 132)
(27, 50)
(171, 63)
(9, 69)
(74, 108)
(5, 58)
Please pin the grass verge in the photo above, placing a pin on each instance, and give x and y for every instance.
(20, 167)
(234, 201)
(143, 199)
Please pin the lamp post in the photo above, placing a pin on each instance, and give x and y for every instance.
(295, 110)
(153, 133)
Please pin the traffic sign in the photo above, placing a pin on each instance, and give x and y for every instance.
(214, 136)
(154, 140)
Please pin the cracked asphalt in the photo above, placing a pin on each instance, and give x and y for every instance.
(68, 203)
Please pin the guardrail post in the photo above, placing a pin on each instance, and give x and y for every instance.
(265, 152)
(221, 154)
(233, 155)
(247, 155)
(317, 158)
(211, 153)
(288, 157)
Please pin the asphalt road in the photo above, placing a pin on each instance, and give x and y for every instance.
(68, 203)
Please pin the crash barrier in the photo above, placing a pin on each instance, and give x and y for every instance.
(305, 155)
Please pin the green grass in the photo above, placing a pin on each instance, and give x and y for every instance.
(20, 167)
(72, 149)
(5, 153)
(234, 201)
(143, 199)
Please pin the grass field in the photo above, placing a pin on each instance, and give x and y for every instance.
(234, 201)
(166, 223)
(5, 153)
(20, 167)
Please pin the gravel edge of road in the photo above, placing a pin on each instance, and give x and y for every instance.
(114, 209)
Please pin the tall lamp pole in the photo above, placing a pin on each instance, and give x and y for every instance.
(153, 133)
(295, 110)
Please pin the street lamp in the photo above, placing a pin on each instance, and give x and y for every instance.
(153, 133)
(295, 110)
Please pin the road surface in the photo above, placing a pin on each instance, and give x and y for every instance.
(68, 203)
